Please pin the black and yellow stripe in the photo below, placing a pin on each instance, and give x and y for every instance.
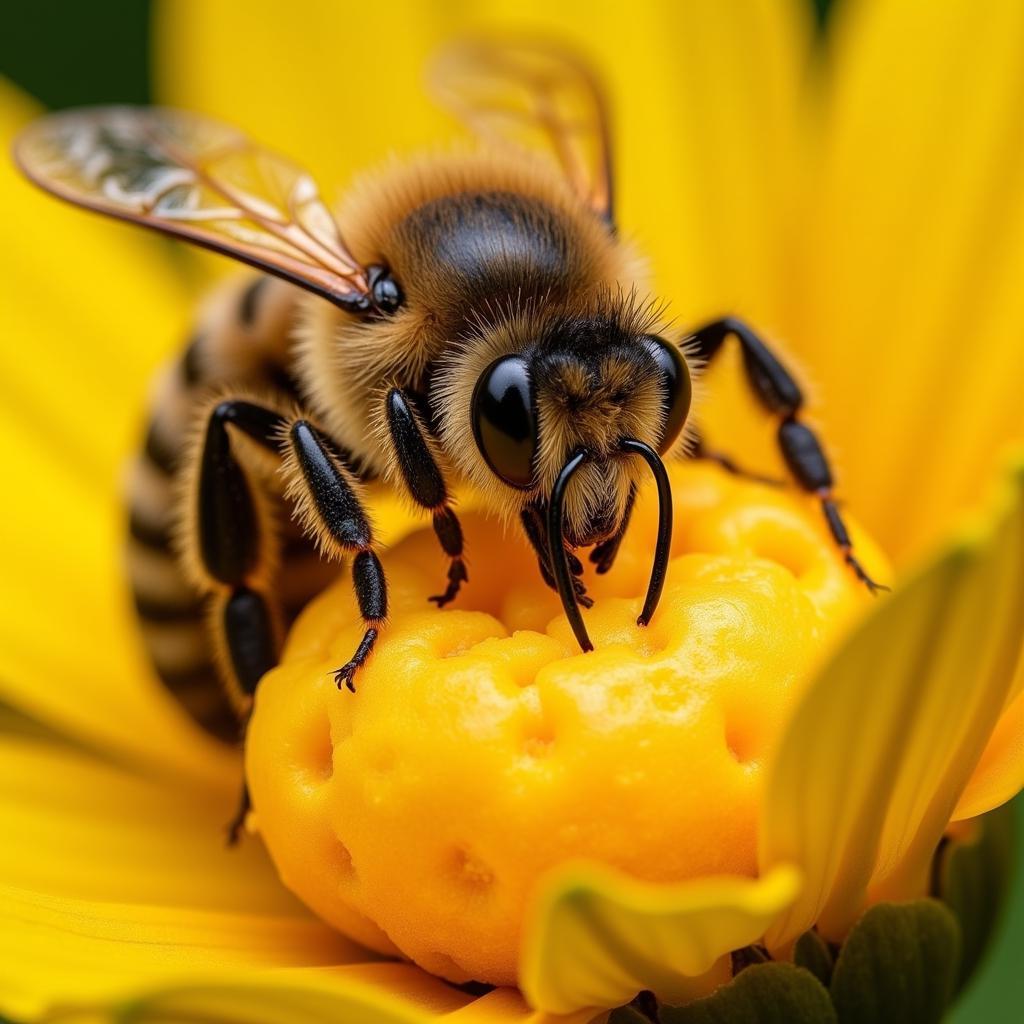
(242, 346)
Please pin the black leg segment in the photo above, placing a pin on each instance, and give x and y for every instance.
(779, 393)
(250, 632)
(773, 384)
(425, 483)
(325, 488)
(233, 552)
(328, 486)
(535, 527)
(701, 451)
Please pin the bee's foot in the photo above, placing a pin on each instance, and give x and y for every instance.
(457, 575)
(603, 556)
(583, 599)
(345, 676)
(233, 829)
(861, 574)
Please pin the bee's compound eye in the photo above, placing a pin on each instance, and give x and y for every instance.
(384, 290)
(504, 423)
(678, 391)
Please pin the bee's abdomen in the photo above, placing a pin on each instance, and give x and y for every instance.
(241, 347)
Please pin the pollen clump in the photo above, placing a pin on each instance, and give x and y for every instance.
(481, 748)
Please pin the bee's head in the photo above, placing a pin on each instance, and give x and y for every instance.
(562, 404)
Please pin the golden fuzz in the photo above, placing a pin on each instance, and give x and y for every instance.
(345, 363)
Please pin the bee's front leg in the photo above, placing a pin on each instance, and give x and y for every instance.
(604, 554)
(417, 463)
(535, 528)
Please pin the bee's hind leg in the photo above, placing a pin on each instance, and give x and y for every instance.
(425, 484)
(776, 390)
(233, 547)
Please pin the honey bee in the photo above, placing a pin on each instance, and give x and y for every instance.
(474, 320)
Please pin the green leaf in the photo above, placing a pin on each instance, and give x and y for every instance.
(974, 877)
(775, 993)
(813, 953)
(899, 964)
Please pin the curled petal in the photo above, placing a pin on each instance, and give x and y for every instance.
(1000, 773)
(597, 937)
(870, 767)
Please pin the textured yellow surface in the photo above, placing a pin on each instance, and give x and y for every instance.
(482, 750)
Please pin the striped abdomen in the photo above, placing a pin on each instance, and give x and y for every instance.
(241, 348)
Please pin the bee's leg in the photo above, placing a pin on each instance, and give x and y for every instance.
(233, 547)
(779, 393)
(425, 483)
(536, 530)
(327, 495)
(325, 492)
(701, 451)
(603, 555)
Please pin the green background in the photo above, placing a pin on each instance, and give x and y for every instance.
(68, 53)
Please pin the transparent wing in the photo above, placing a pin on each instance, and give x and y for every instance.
(536, 96)
(197, 179)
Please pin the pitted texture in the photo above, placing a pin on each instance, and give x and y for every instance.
(482, 749)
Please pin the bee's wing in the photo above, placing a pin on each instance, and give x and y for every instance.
(197, 179)
(533, 95)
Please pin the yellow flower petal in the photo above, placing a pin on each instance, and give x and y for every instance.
(57, 949)
(363, 993)
(381, 993)
(910, 305)
(1000, 773)
(78, 827)
(114, 885)
(334, 90)
(69, 653)
(507, 1006)
(870, 767)
(598, 937)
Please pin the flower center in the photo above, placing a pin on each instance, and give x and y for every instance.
(482, 749)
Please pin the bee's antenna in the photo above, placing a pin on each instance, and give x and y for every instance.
(559, 558)
(663, 546)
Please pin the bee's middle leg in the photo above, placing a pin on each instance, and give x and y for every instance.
(326, 493)
(425, 484)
